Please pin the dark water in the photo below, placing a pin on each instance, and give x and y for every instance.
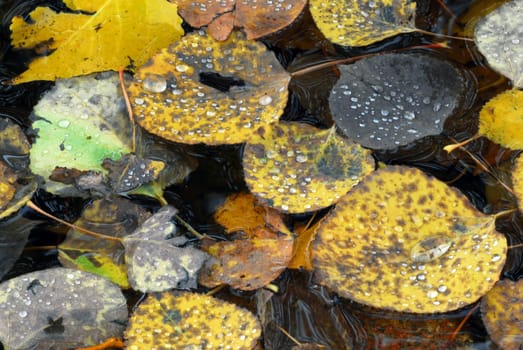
(309, 312)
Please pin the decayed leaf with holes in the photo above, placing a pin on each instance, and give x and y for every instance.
(16, 184)
(260, 251)
(404, 241)
(116, 217)
(60, 308)
(363, 22)
(155, 259)
(499, 37)
(502, 314)
(119, 34)
(200, 90)
(501, 119)
(390, 100)
(256, 18)
(298, 168)
(189, 320)
(517, 180)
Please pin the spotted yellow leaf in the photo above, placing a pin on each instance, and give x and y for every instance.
(517, 180)
(404, 241)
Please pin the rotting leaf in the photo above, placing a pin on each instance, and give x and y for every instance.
(116, 217)
(256, 18)
(297, 168)
(119, 34)
(502, 314)
(189, 320)
(390, 100)
(364, 248)
(155, 259)
(363, 22)
(62, 307)
(499, 37)
(244, 88)
(261, 250)
(500, 119)
(517, 180)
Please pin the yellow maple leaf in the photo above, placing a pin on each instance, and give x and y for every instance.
(117, 35)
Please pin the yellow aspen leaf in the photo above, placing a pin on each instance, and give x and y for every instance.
(363, 22)
(118, 34)
(186, 320)
(302, 257)
(517, 180)
(502, 312)
(501, 119)
(297, 168)
(405, 241)
(199, 90)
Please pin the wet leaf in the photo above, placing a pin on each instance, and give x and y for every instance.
(302, 257)
(59, 308)
(118, 34)
(189, 320)
(501, 120)
(517, 180)
(155, 259)
(256, 18)
(16, 184)
(298, 168)
(499, 37)
(200, 90)
(363, 22)
(502, 314)
(80, 122)
(386, 244)
(116, 217)
(261, 250)
(390, 100)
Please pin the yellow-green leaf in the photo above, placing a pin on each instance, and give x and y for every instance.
(201, 90)
(119, 34)
(405, 241)
(297, 168)
(363, 22)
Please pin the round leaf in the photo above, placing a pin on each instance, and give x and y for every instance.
(499, 37)
(390, 100)
(404, 241)
(191, 321)
(200, 90)
(298, 168)
(363, 22)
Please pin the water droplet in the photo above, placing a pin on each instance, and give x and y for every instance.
(22, 313)
(182, 68)
(426, 100)
(265, 100)
(432, 294)
(496, 257)
(384, 112)
(64, 123)
(301, 158)
(154, 83)
(139, 101)
(430, 248)
(409, 115)
(442, 289)
(436, 107)
(515, 41)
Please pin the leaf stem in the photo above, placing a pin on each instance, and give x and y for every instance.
(454, 334)
(129, 108)
(464, 38)
(190, 228)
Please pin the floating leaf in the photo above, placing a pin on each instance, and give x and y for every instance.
(119, 34)
(191, 321)
(390, 100)
(200, 90)
(155, 261)
(59, 309)
(256, 18)
(363, 22)
(502, 314)
(517, 180)
(297, 168)
(404, 241)
(115, 217)
(261, 250)
(499, 37)
(80, 122)
(501, 119)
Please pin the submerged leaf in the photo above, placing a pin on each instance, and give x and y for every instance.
(363, 22)
(502, 314)
(119, 34)
(404, 241)
(501, 119)
(191, 321)
(499, 37)
(58, 309)
(298, 168)
(200, 90)
(390, 100)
